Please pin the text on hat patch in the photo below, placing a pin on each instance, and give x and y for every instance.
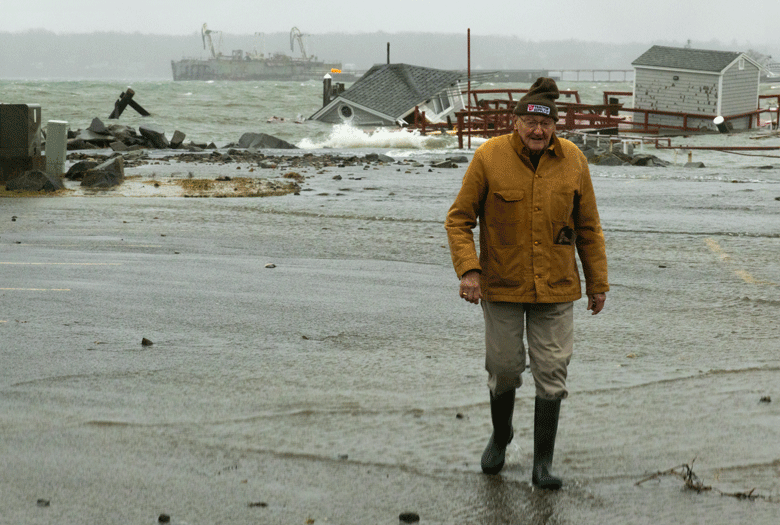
(536, 108)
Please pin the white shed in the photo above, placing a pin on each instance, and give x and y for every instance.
(701, 83)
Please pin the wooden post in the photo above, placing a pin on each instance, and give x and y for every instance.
(125, 99)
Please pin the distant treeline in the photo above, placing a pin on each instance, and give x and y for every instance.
(135, 56)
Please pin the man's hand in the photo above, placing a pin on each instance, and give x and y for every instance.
(596, 302)
(469, 287)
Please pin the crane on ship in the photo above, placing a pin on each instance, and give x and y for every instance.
(295, 34)
(205, 34)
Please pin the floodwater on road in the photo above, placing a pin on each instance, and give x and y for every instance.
(345, 384)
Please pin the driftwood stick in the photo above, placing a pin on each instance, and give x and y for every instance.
(693, 482)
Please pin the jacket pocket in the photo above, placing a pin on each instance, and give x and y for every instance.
(505, 267)
(508, 205)
(563, 269)
(507, 217)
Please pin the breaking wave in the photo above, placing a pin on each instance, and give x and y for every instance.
(344, 136)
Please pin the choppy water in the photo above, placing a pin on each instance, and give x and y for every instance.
(356, 352)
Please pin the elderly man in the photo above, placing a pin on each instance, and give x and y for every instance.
(532, 196)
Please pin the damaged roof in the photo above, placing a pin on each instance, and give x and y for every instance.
(393, 89)
(686, 58)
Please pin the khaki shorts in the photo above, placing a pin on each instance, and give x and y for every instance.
(549, 330)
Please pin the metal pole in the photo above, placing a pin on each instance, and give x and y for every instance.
(468, 48)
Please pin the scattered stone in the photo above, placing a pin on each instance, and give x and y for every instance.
(43, 503)
(261, 504)
(409, 517)
(164, 518)
(107, 175)
(98, 127)
(146, 342)
(462, 159)
(610, 159)
(96, 139)
(177, 139)
(338, 177)
(155, 135)
(34, 181)
(263, 141)
(295, 176)
(445, 164)
(766, 399)
(694, 165)
(270, 265)
(76, 172)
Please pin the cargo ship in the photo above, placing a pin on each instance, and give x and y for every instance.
(242, 65)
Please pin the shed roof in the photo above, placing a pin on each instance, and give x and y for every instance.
(686, 58)
(393, 89)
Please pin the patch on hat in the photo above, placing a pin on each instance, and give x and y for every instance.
(536, 108)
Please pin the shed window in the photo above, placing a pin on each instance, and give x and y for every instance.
(741, 63)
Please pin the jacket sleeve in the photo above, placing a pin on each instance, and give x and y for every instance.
(590, 237)
(463, 216)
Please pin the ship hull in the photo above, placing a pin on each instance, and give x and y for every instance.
(254, 69)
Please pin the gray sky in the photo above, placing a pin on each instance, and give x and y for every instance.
(745, 22)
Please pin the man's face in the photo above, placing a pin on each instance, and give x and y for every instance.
(535, 131)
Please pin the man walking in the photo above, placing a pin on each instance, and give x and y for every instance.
(531, 194)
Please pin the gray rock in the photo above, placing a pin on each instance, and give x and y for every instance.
(86, 135)
(648, 160)
(694, 165)
(107, 175)
(76, 172)
(34, 181)
(611, 160)
(460, 160)
(177, 139)
(155, 135)
(262, 140)
(588, 152)
(118, 146)
(101, 179)
(444, 164)
(98, 127)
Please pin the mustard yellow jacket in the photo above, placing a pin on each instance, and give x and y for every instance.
(521, 213)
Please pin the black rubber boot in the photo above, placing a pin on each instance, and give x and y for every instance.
(545, 429)
(501, 409)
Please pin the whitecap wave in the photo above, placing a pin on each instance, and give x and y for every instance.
(344, 136)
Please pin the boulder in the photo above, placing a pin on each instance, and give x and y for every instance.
(107, 175)
(263, 141)
(98, 127)
(177, 139)
(444, 164)
(76, 172)
(91, 137)
(611, 160)
(34, 181)
(648, 160)
(154, 135)
(462, 159)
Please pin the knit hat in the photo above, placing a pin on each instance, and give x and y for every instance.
(540, 99)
